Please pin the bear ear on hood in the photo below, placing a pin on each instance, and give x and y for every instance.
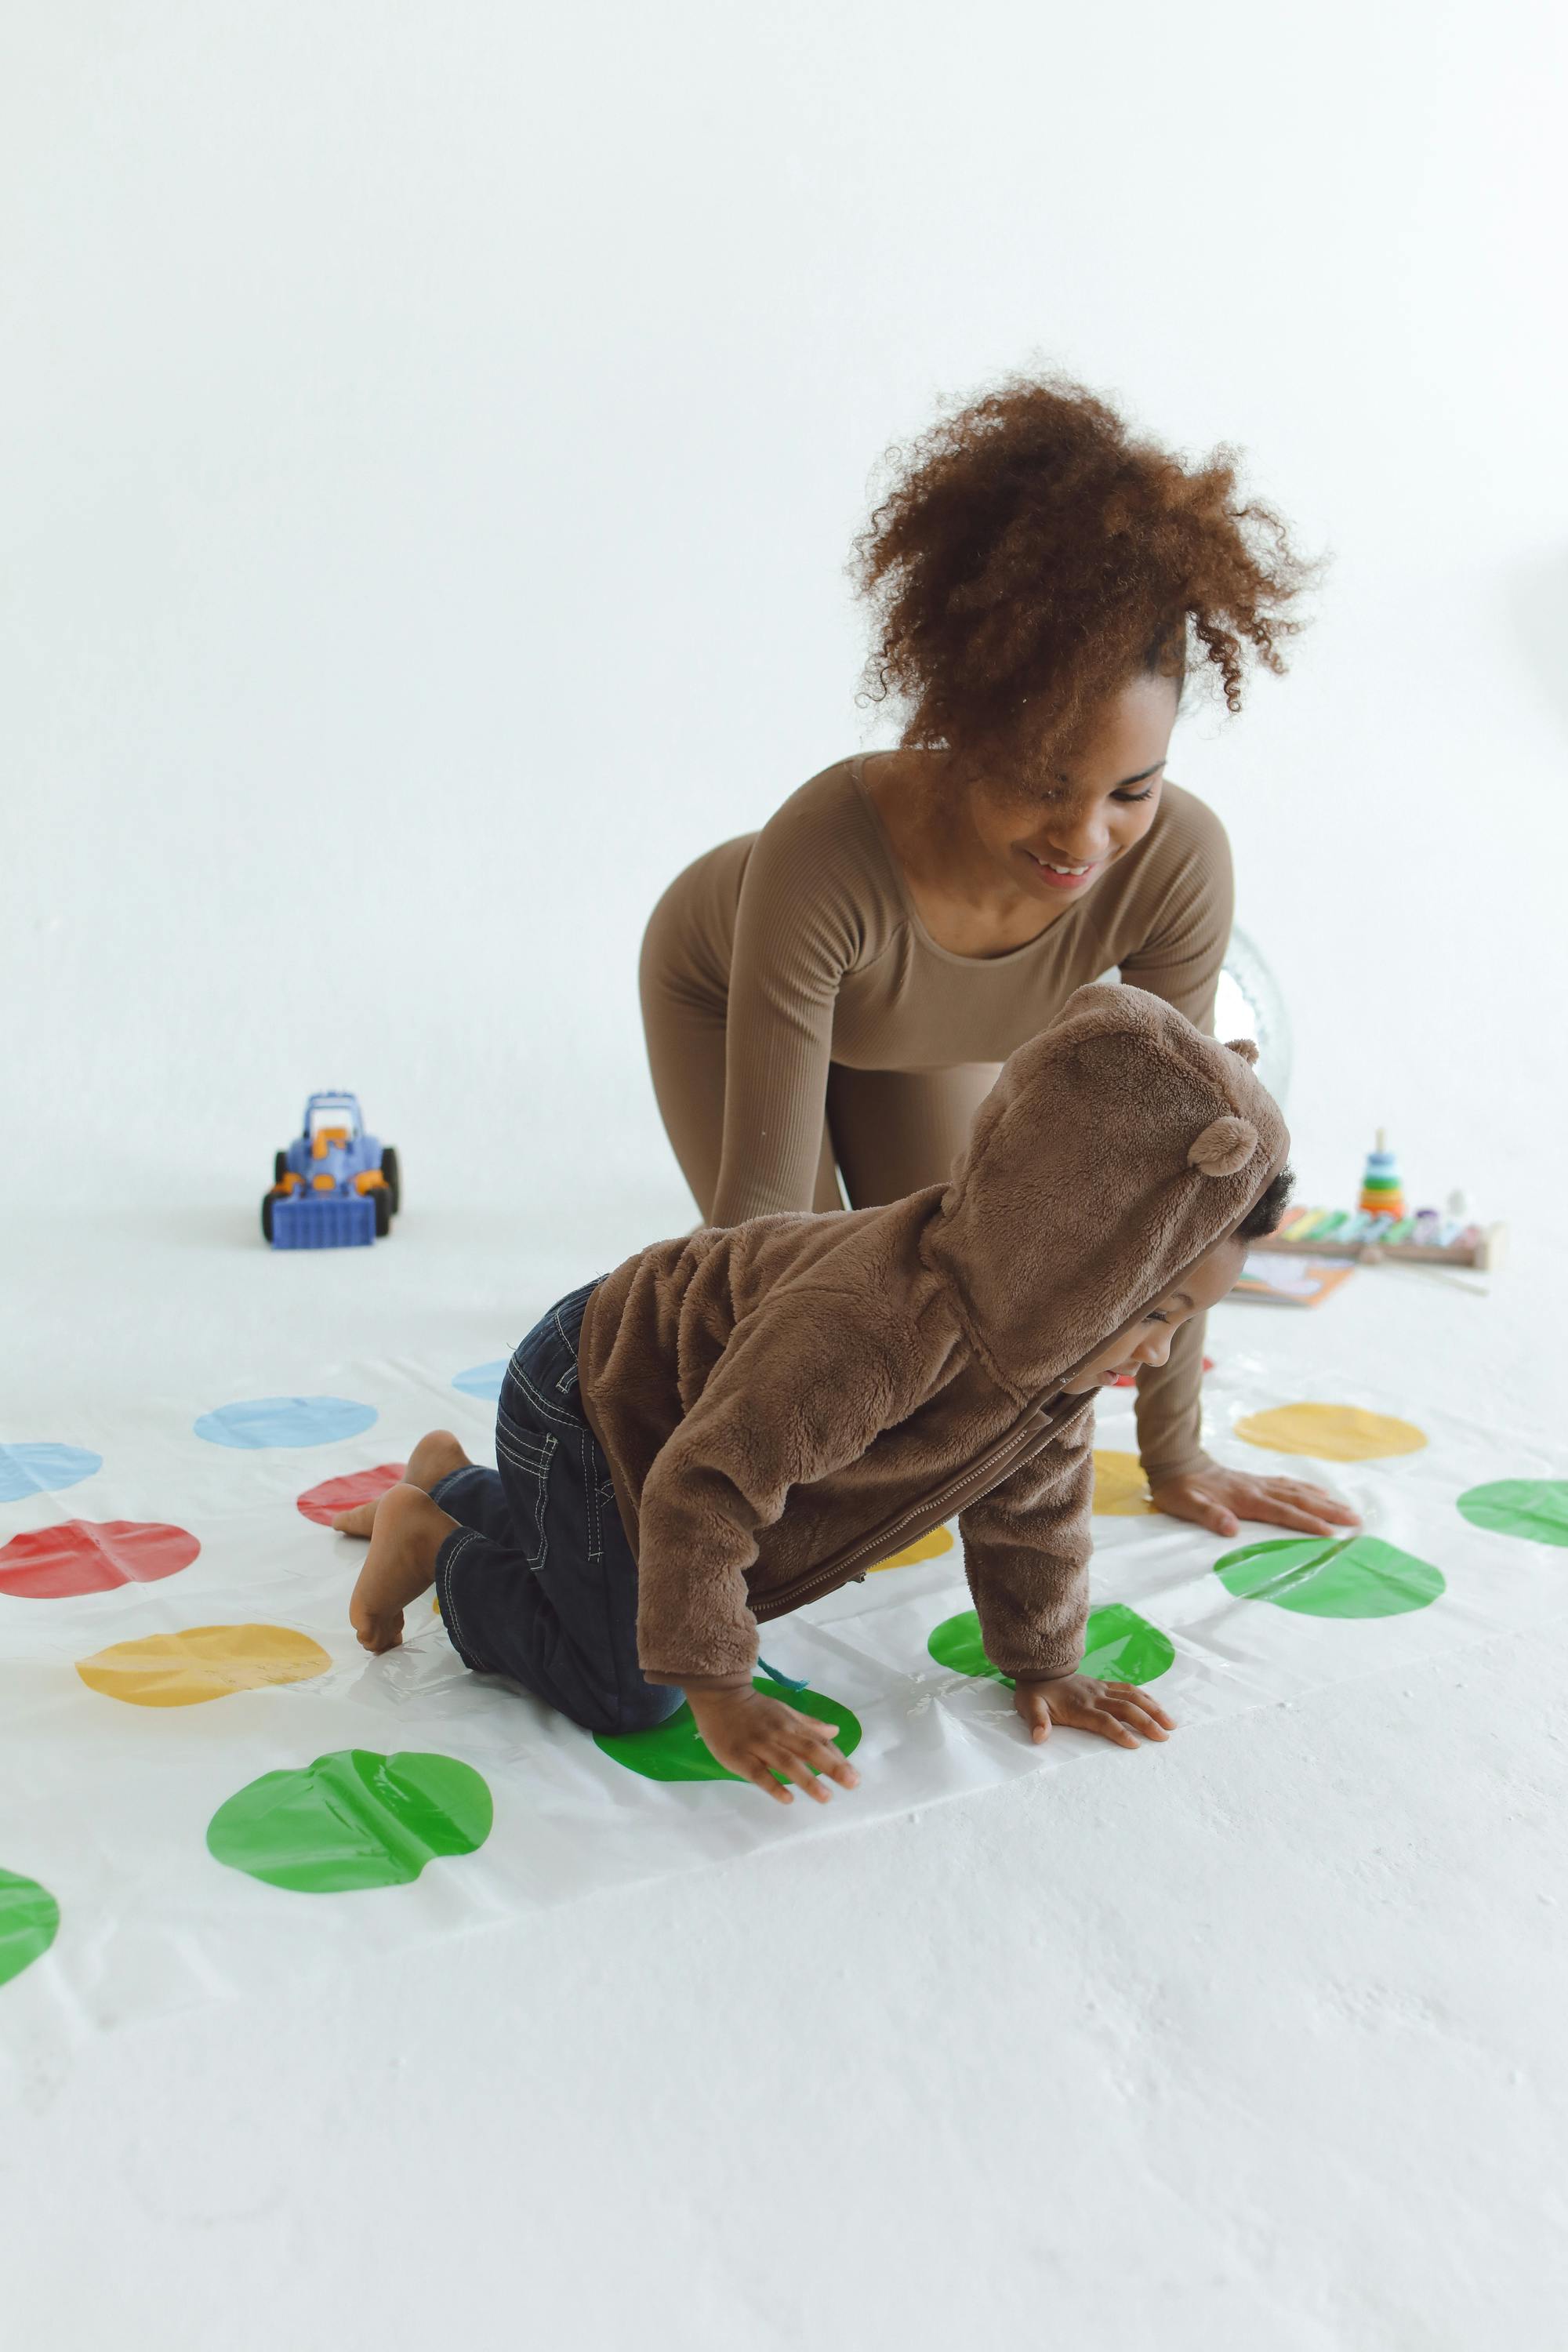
(1225, 1146)
(1244, 1046)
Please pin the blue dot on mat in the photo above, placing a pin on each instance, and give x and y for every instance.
(285, 1421)
(43, 1469)
(482, 1379)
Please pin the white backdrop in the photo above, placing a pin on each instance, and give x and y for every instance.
(433, 436)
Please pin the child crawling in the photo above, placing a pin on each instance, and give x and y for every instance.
(739, 1421)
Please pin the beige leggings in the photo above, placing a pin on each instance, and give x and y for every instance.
(887, 1132)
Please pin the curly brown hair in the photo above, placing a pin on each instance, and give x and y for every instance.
(1030, 559)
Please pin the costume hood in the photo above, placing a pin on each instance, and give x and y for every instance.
(1117, 1149)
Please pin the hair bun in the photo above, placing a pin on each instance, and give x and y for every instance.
(1224, 1147)
(1244, 1046)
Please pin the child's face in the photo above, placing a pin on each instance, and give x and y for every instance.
(1149, 1342)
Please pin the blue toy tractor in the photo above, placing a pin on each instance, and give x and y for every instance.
(335, 1186)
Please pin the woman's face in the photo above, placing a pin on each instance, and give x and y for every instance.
(1055, 837)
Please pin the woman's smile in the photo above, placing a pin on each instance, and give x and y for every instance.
(1058, 873)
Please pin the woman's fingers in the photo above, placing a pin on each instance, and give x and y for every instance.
(1279, 1512)
(1317, 1500)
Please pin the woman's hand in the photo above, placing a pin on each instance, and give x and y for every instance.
(1220, 1499)
(1117, 1711)
(758, 1737)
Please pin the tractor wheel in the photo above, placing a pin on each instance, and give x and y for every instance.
(279, 1166)
(383, 1199)
(267, 1216)
(389, 1169)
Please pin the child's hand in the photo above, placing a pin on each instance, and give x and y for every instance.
(757, 1737)
(1118, 1711)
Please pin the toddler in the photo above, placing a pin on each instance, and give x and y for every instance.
(736, 1421)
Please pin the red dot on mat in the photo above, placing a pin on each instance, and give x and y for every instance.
(323, 1503)
(85, 1556)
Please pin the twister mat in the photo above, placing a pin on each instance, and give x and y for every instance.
(207, 1785)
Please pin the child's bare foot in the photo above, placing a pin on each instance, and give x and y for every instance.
(409, 1531)
(432, 1459)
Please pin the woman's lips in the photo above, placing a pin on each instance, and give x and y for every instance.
(1057, 880)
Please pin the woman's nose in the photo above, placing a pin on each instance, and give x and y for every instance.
(1078, 837)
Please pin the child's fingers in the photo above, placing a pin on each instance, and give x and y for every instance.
(1131, 1696)
(761, 1777)
(1129, 1711)
(811, 1726)
(1097, 1720)
(804, 1770)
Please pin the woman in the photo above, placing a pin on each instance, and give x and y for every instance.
(831, 997)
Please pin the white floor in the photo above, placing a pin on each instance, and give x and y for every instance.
(1250, 2040)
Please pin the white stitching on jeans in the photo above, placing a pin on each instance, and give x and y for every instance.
(466, 1537)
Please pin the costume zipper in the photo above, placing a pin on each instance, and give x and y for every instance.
(936, 1508)
(917, 1520)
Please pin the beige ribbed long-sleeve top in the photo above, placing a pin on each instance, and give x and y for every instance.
(808, 941)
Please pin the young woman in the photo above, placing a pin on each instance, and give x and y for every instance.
(830, 998)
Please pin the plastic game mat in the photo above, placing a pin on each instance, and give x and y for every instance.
(207, 1785)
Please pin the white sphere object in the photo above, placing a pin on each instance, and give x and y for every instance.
(1248, 1003)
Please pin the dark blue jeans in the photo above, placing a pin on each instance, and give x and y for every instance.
(537, 1583)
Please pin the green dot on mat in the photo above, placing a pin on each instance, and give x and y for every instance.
(1349, 1576)
(1120, 1646)
(1536, 1508)
(29, 1919)
(352, 1818)
(675, 1750)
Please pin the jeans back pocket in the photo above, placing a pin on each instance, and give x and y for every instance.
(524, 1460)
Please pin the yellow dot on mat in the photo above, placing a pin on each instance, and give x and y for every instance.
(1330, 1432)
(1121, 1489)
(927, 1547)
(201, 1662)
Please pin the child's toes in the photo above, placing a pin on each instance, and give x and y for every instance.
(357, 1522)
(380, 1632)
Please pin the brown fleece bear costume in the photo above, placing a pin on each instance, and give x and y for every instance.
(786, 1401)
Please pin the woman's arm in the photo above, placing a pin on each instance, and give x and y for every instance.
(1188, 932)
(1187, 940)
(799, 925)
